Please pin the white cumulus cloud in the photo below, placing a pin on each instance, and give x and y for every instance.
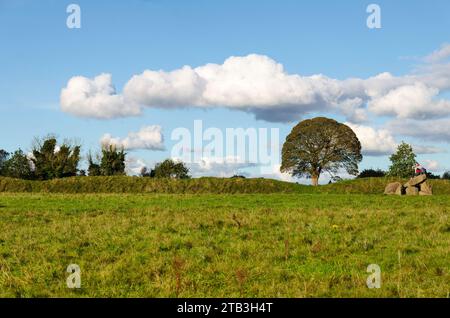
(223, 167)
(253, 82)
(133, 165)
(95, 98)
(273, 172)
(149, 137)
(380, 142)
(260, 85)
(374, 142)
(410, 101)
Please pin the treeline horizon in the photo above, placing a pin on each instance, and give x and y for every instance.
(48, 161)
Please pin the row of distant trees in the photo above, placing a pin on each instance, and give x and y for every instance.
(377, 173)
(47, 161)
(402, 162)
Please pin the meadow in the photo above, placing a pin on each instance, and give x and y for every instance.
(288, 241)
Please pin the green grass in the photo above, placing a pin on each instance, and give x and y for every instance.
(223, 245)
(126, 184)
(205, 185)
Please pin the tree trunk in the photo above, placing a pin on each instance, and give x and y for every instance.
(315, 180)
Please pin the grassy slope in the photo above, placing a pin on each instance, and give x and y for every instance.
(149, 185)
(274, 245)
(377, 185)
(200, 185)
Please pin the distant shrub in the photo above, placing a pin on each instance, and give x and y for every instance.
(145, 172)
(432, 176)
(371, 173)
(336, 179)
(4, 155)
(112, 162)
(171, 169)
(94, 166)
(51, 161)
(16, 165)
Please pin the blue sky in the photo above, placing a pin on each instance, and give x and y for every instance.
(39, 55)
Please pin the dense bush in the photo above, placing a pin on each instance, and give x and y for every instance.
(371, 173)
(4, 155)
(51, 161)
(16, 165)
(110, 163)
(432, 176)
(171, 169)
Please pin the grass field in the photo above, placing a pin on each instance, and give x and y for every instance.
(224, 245)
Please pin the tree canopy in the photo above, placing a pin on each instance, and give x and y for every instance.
(371, 173)
(3, 158)
(111, 162)
(51, 161)
(402, 161)
(93, 166)
(171, 169)
(145, 172)
(18, 165)
(320, 145)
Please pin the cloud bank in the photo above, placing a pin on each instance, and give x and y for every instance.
(150, 138)
(381, 142)
(431, 130)
(223, 167)
(260, 85)
(374, 142)
(95, 98)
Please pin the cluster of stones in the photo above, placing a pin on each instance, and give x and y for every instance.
(415, 186)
